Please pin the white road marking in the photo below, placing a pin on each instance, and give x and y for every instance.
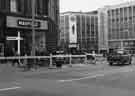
(11, 88)
(100, 74)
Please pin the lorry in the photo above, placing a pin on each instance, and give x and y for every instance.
(119, 57)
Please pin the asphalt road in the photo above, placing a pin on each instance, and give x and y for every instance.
(88, 80)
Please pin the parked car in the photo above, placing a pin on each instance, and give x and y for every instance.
(120, 57)
(58, 60)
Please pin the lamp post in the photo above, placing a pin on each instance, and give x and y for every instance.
(33, 28)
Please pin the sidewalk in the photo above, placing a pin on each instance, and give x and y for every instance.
(8, 69)
(64, 68)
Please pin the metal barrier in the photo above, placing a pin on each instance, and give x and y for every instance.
(50, 58)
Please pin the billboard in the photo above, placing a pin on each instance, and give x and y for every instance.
(72, 29)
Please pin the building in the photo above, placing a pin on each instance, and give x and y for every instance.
(79, 30)
(16, 18)
(121, 26)
(102, 30)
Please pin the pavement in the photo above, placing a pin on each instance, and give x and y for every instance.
(78, 80)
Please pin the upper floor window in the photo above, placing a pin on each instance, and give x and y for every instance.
(13, 6)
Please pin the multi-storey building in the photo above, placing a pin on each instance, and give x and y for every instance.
(121, 26)
(79, 30)
(16, 18)
(102, 30)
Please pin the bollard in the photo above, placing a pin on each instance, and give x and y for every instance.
(25, 62)
(50, 65)
(70, 60)
(86, 62)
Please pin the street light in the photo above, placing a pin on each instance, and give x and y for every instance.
(33, 28)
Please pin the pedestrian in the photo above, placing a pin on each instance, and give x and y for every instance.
(16, 60)
(25, 62)
(133, 59)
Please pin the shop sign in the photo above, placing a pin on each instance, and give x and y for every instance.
(28, 23)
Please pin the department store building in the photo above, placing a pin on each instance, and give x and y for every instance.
(16, 18)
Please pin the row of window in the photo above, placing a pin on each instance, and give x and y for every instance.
(126, 10)
(121, 35)
(122, 19)
(25, 6)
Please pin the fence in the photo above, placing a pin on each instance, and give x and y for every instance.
(49, 60)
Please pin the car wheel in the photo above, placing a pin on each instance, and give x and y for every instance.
(129, 62)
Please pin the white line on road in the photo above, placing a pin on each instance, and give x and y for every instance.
(101, 74)
(11, 88)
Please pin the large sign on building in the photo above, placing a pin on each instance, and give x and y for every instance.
(19, 22)
(28, 23)
(72, 29)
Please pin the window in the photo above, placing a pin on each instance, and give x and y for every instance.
(13, 6)
(3, 4)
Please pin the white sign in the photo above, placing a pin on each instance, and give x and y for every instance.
(15, 22)
(72, 29)
(13, 38)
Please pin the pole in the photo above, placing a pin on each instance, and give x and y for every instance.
(33, 34)
(33, 28)
(18, 41)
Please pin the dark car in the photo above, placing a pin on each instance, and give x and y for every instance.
(58, 59)
(120, 57)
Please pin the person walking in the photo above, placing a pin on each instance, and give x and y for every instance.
(15, 60)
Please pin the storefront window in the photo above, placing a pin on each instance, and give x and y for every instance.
(1, 49)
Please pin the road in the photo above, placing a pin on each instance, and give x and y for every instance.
(88, 80)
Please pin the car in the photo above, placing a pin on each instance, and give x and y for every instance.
(119, 57)
(58, 60)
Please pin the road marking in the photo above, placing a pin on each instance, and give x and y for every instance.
(11, 88)
(100, 74)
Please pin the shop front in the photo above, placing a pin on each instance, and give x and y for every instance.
(18, 36)
(128, 45)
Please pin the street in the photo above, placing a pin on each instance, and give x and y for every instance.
(84, 80)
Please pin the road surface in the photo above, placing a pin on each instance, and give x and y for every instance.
(88, 80)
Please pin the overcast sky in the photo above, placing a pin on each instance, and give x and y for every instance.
(86, 5)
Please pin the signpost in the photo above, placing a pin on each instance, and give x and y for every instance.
(18, 38)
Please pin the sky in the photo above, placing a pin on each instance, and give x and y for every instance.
(86, 5)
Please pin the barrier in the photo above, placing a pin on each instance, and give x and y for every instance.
(49, 59)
